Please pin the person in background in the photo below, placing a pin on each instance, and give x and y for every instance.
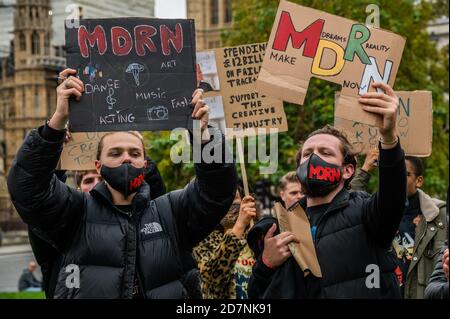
(86, 180)
(421, 234)
(224, 257)
(290, 189)
(27, 281)
(437, 287)
(362, 175)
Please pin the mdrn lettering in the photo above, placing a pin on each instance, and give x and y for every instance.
(310, 36)
(123, 41)
(96, 37)
(136, 182)
(324, 173)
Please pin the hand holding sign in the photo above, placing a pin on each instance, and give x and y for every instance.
(71, 86)
(414, 125)
(385, 104)
(276, 249)
(139, 74)
(247, 212)
(201, 110)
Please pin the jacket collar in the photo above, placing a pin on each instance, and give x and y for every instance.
(140, 201)
(339, 201)
(429, 206)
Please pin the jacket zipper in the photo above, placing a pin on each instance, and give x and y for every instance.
(137, 273)
(320, 219)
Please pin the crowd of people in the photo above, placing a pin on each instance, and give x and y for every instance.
(130, 238)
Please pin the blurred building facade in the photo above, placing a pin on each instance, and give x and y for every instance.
(438, 31)
(211, 18)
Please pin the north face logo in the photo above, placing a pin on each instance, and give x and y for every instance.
(151, 228)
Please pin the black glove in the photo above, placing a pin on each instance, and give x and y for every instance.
(154, 179)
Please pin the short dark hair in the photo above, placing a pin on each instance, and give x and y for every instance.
(416, 162)
(347, 150)
(80, 174)
(134, 133)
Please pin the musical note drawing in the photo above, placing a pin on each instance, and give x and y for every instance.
(110, 100)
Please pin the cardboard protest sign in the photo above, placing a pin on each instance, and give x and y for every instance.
(80, 152)
(295, 221)
(139, 73)
(229, 75)
(305, 42)
(414, 125)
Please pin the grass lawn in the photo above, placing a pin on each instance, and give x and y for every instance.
(22, 295)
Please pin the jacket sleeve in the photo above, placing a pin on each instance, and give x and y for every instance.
(437, 287)
(217, 265)
(361, 181)
(260, 279)
(384, 210)
(262, 275)
(49, 207)
(200, 206)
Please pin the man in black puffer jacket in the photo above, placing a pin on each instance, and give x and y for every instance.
(115, 242)
(352, 231)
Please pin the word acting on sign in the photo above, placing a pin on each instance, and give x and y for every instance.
(139, 74)
(307, 43)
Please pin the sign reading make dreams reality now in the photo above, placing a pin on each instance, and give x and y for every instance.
(305, 42)
(139, 74)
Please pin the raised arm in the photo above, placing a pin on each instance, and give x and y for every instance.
(383, 211)
(50, 208)
(200, 206)
(362, 177)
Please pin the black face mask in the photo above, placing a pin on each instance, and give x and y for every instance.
(125, 178)
(317, 177)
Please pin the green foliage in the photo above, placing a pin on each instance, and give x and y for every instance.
(423, 67)
(158, 146)
(23, 295)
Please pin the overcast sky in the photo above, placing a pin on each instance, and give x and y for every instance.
(170, 8)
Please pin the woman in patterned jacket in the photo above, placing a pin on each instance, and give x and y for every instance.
(224, 258)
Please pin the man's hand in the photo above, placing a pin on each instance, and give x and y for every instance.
(201, 110)
(247, 212)
(445, 263)
(276, 249)
(371, 158)
(70, 86)
(385, 104)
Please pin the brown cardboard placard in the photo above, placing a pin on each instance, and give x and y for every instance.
(304, 252)
(414, 125)
(230, 74)
(80, 152)
(305, 42)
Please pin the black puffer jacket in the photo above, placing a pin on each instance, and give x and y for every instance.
(48, 257)
(438, 285)
(107, 246)
(356, 231)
